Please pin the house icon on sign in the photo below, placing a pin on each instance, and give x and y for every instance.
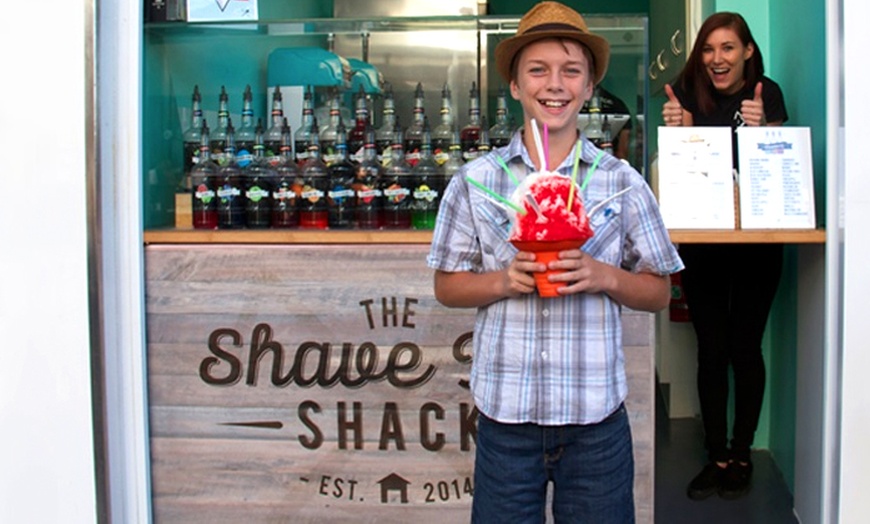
(393, 482)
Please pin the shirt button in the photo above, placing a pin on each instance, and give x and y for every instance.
(543, 354)
(545, 313)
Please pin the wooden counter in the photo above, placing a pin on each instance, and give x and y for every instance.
(295, 236)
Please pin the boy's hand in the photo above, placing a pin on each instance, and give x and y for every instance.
(583, 274)
(518, 278)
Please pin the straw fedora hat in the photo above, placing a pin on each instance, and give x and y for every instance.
(552, 20)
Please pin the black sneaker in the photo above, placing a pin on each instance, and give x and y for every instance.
(737, 480)
(707, 482)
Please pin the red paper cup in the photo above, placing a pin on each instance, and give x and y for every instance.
(546, 252)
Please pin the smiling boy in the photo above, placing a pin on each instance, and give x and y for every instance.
(548, 376)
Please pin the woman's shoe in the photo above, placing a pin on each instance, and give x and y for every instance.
(707, 482)
(736, 481)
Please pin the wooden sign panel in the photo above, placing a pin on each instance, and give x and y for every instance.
(314, 384)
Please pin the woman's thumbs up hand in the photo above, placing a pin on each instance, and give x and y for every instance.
(753, 109)
(672, 111)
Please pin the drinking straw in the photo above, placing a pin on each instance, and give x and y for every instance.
(538, 145)
(495, 195)
(591, 170)
(604, 202)
(546, 144)
(574, 174)
(588, 173)
(510, 173)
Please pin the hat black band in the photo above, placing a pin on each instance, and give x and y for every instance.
(553, 27)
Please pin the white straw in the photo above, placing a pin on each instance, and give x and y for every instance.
(601, 204)
(539, 145)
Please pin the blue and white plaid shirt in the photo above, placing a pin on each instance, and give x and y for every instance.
(549, 361)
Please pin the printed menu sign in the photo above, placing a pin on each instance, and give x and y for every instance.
(696, 181)
(776, 178)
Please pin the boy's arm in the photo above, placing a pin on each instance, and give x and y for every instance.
(468, 289)
(640, 291)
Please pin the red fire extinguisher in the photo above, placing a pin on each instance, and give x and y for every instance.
(679, 308)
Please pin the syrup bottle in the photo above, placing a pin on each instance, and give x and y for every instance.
(203, 178)
(245, 133)
(470, 134)
(500, 132)
(315, 183)
(396, 186)
(329, 133)
(272, 139)
(191, 137)
(259, 176)
(285, 211)
(384, 136)
(414, 132)
(427, 183)
(230, 197)
(366, 185)
(356, 137)
(219, 136)
(443, 132)
(302, 138)
(340, 196)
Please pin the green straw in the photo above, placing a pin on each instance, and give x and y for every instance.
(588, 174)
(496, 196)
(506, 168)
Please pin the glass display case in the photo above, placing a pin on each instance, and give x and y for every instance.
(434, 51)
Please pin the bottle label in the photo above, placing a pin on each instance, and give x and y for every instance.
(426, 193)
(228, 193)
(311, 194)
(396, 193)
(204, 193)
(340, 193)
(367, 194)
(284, 193)
(256, 193)
(440, 157)
(244, 157)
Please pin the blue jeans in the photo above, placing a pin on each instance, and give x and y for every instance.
(591, 467)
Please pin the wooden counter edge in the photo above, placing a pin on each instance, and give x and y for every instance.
(275, 236)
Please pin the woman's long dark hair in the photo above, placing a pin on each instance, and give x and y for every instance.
(694, 80)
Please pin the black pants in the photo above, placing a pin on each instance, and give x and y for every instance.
(729, 289)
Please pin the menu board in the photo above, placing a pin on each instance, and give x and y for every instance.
(776, 178)
(696, 177)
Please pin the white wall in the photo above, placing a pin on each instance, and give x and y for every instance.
(855, 401)
(46, 457)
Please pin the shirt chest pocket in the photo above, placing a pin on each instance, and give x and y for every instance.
(494, 227)
(606, 244)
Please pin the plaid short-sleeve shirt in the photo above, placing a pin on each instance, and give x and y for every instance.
(549, 361)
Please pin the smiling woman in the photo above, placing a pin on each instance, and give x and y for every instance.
(723, 84)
